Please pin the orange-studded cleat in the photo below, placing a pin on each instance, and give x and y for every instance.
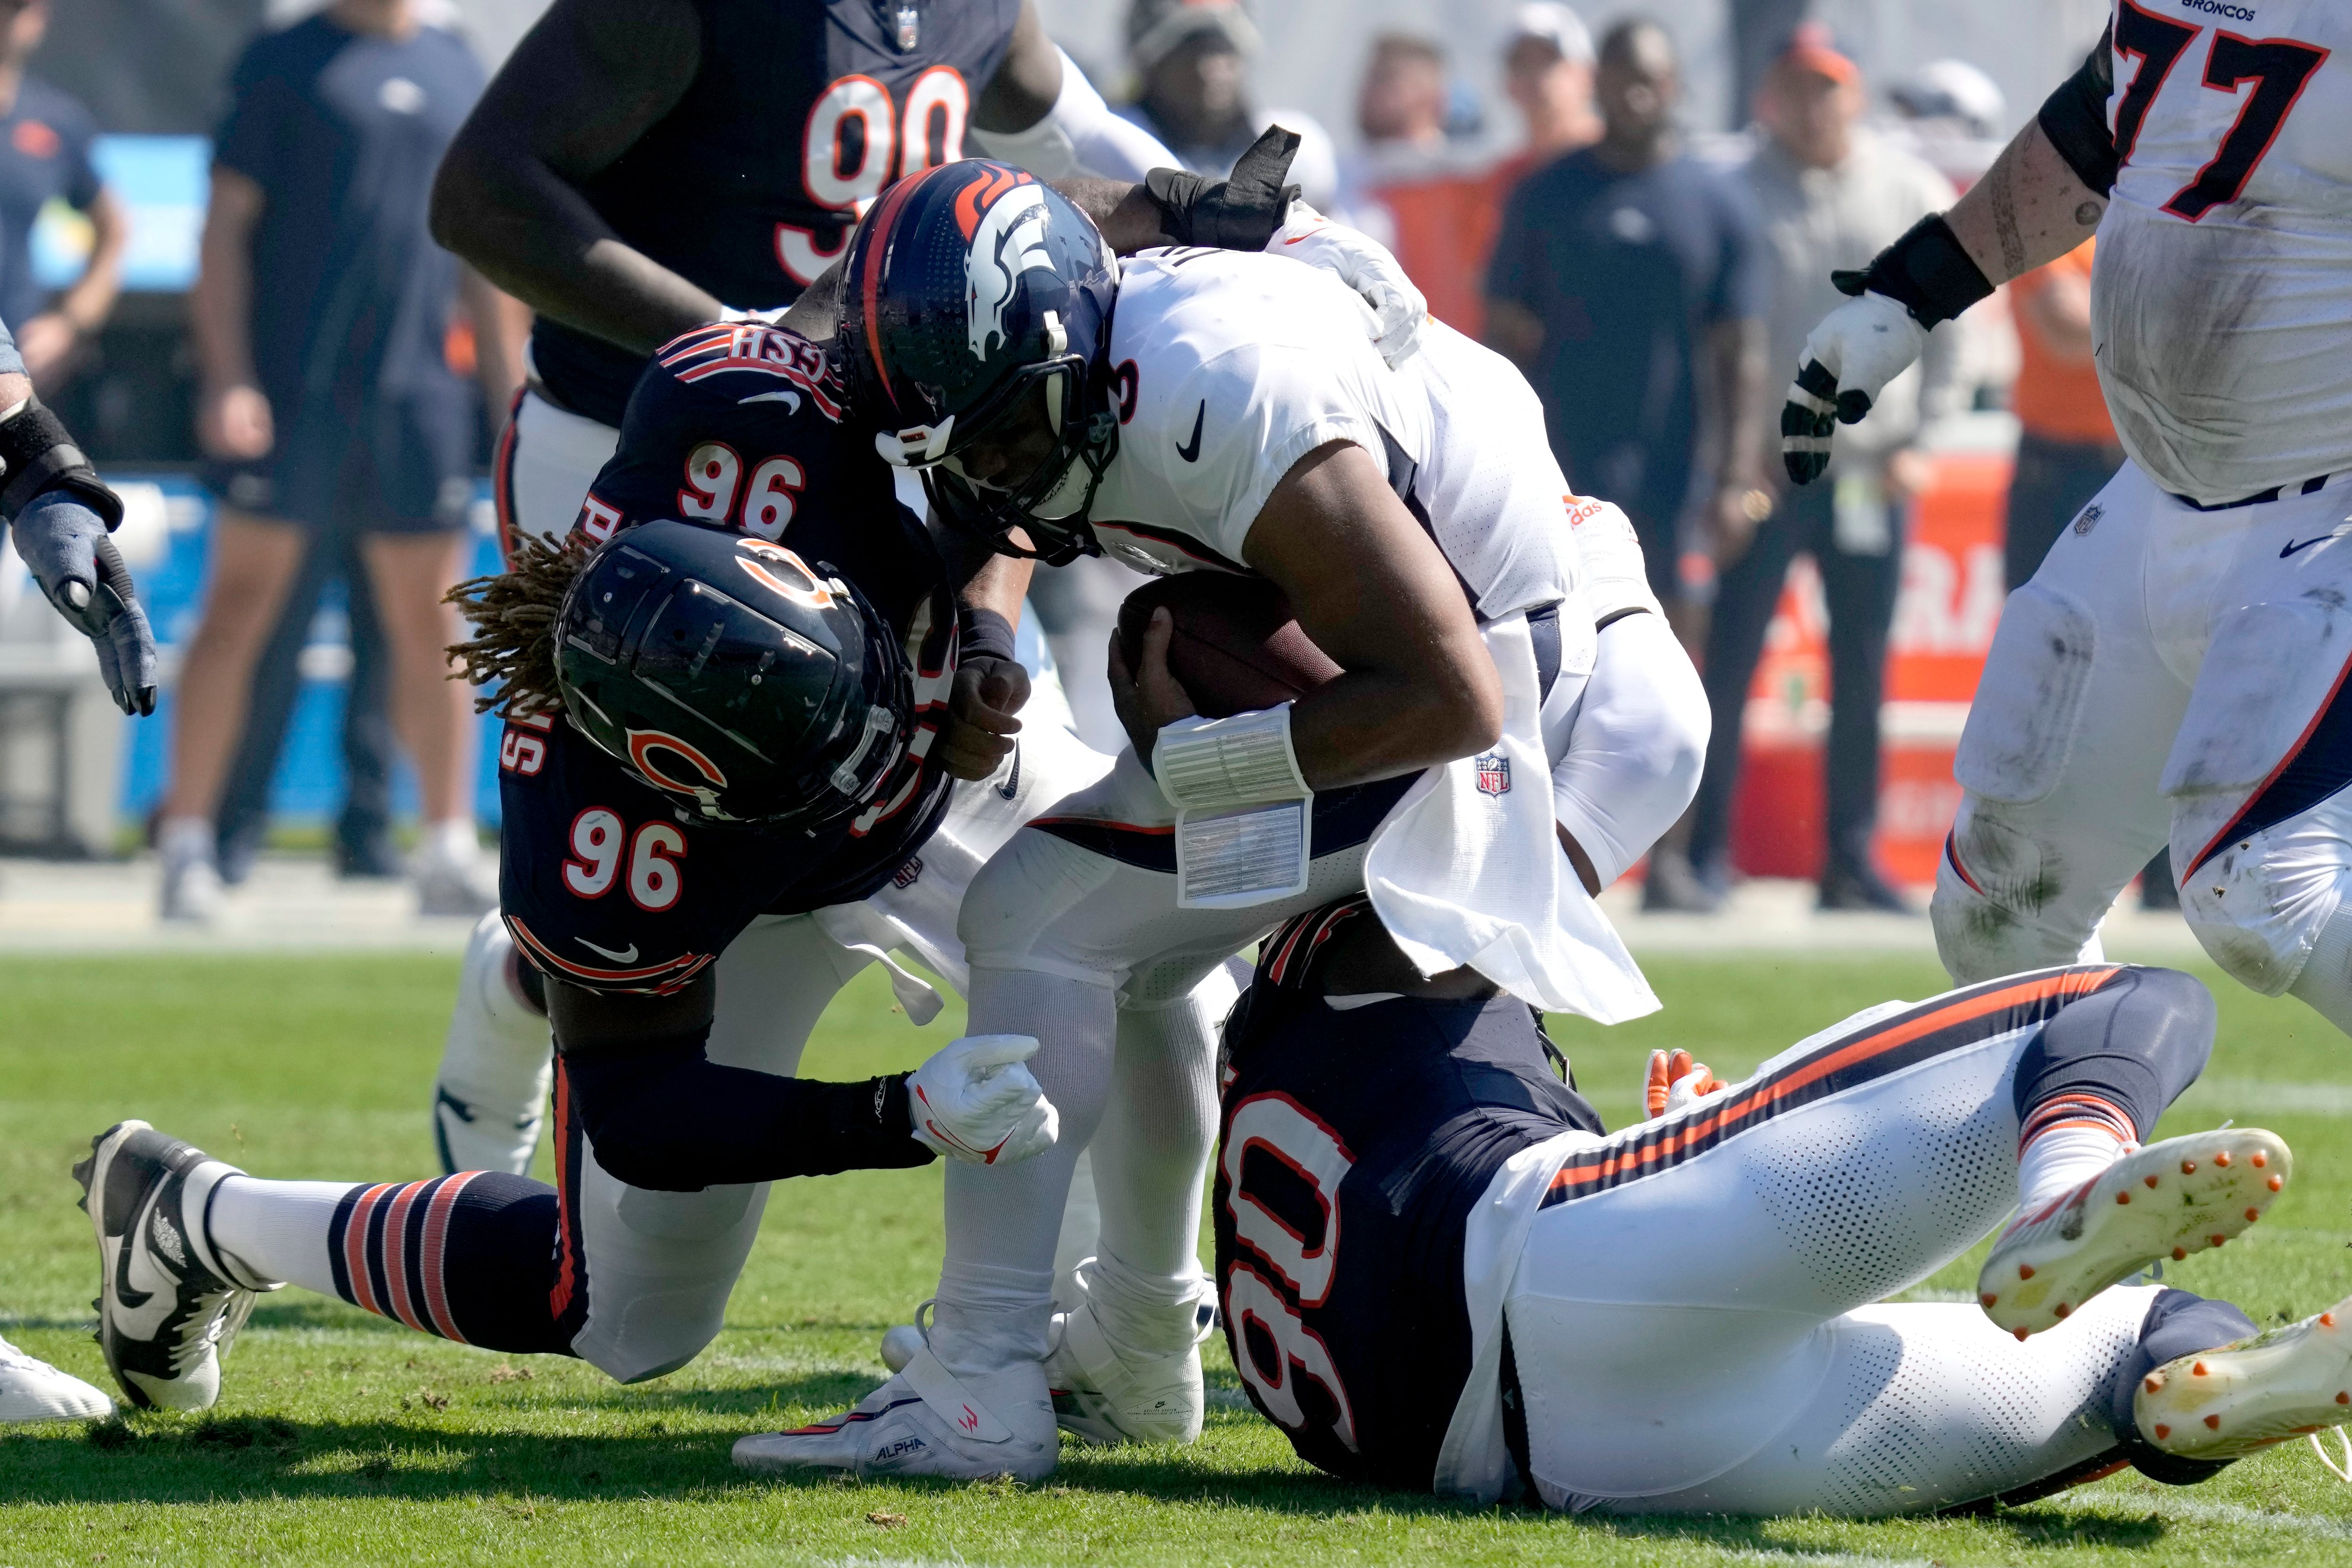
(2288, 1382)
(2170, 1199)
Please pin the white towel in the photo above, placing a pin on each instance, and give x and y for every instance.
(1468, 870)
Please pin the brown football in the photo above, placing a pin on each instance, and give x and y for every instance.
(1236, 647)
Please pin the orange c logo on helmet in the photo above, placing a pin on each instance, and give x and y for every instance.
(644, 744)
(979, 194)
(811, 590)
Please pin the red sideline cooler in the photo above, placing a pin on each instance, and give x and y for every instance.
(1944, 618)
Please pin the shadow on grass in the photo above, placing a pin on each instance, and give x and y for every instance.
(163, 1461)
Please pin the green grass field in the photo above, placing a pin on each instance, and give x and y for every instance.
(343, 1437)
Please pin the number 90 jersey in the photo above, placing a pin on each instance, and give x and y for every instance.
(798, 116)
(2221, 293)
(604, 882)
(1353, 1146)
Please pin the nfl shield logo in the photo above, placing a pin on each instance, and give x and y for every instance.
(1493, 774)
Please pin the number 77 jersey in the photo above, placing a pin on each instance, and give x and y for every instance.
(2221, 294)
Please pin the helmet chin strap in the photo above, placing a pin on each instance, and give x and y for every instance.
(1067, 498)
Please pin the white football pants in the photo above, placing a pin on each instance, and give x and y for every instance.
(2168, 674)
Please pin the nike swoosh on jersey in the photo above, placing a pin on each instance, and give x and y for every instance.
(791, 399)
(1012, 784)
(2292, 545)
(627, 955)
(1191, 454)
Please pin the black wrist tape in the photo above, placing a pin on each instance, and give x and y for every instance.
(983, 634)
(38, 454)
(2075, 118)
(1927, 271)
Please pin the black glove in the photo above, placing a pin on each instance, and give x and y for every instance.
(64, 545)
(1240, 212)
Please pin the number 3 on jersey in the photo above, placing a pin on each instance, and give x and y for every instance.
(854, 142)
(594, 864)
(1294, 1229)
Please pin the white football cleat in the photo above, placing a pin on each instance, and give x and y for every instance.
(2182, 1195)
(2222, 1403)
(926, 1421)
(1104, 1394)
(33, 1390)
(169, 1306)
(192, 890)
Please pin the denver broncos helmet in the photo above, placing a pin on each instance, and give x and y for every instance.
(728, 673)
(969, 293)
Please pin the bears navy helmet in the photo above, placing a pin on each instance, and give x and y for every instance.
(973, 296)
(732, 674)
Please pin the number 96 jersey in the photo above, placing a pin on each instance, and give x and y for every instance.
(1354, 1144)
(605, 883)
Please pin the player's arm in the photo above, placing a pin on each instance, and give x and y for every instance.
(1370, 586)
(501, 322)
(82, 308)
(2043, 197)
(991, 686)
(579, 90)
(660, 1115)
(1040, 112)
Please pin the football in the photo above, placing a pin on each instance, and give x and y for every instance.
(1236, 647)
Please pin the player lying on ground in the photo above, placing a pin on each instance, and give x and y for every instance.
(2175, 670)
(717, 429)
(1233, 416)
(1437, 1272)
(59, 513)
(742, 729)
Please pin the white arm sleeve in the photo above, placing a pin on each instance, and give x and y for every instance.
(1079, 135)
(1629, 749)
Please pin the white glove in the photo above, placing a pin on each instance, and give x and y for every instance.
(1364, 265)
(1857, 349)
(974, 1102)
(1676, 1083)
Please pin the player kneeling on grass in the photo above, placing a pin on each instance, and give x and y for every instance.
(1506, 716)
(734, 718)
(1439, 1273)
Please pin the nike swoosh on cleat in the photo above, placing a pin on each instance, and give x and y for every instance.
(627, 955)
(1191, 454)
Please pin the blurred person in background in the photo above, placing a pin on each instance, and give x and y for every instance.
(1628, 282)
(1950, 114)
(2066, 446)
(1547, 73)
(1831, 196)
(1191, 61)
(320, 318)
(45, 141)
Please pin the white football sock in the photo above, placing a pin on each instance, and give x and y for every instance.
(181, 840)
(1151, 1155)
(277, 1229)
(987, 1318)
(2058, 1161)
(1005, 1219)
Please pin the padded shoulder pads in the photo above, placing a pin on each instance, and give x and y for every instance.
(2075, 118)
(38, 454)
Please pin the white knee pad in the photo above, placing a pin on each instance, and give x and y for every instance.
(495, 1063)
(2002, 904)
(659, 1268)
(2261, 902)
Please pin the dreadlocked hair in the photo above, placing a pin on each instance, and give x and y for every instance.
(513, 614)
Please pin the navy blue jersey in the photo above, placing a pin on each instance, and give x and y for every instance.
(1353, 1145)
(342, 131)
(799, 115)
(606, 882)
(45, 139)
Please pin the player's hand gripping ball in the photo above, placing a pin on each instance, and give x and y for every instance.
(1208, 643)
(1677, 1083)
(1846, 363)
(974, 1102)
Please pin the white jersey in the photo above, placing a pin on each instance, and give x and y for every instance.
(1231, 366)
(2222, 295)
